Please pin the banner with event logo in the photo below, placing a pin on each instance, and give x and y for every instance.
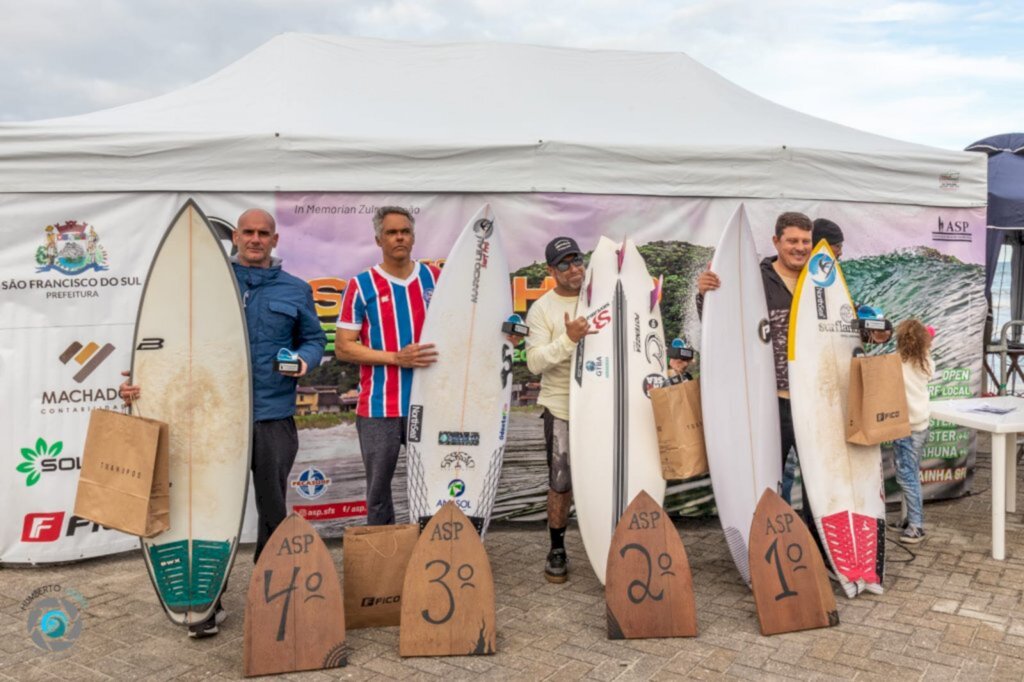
(74, 266)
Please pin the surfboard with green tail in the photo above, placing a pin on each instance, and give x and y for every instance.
(191, 359)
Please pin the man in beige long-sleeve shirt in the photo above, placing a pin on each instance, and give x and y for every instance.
(554, 332)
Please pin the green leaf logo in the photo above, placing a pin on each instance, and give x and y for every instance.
(31, 466)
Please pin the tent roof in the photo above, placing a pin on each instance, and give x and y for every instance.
(1005, 178)
(321, 113)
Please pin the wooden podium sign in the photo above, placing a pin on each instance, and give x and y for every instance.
(294, 613)
(787, 574)
(648, 586)
(448, 595)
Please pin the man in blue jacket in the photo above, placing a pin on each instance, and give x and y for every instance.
(279, 313)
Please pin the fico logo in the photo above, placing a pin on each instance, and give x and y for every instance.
(378, 601)
(45, 459)
(88, 357)
(42, 527)
(47, 526)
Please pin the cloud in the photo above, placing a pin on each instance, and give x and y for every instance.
(928, 71)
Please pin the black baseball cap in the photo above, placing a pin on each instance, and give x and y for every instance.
(560, 247)
(827, 230)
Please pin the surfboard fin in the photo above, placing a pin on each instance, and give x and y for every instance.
(621, 253)
(656, 292)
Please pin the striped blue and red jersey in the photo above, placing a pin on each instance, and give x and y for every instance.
(388, 313)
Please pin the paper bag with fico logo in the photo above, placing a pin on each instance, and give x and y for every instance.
(124, 482)
(680, 423)
(375, 559)
(877, 407)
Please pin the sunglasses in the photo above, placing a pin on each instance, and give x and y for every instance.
(563, 266)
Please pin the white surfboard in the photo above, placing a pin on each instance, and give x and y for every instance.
(459, 406)
(191, 358)
(613, 443)
(843, 481)
(737, 386)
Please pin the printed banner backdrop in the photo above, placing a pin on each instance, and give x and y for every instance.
(74, 266)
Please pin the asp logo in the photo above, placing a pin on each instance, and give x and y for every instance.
(88, 357)
(822, 269)
(952, 231)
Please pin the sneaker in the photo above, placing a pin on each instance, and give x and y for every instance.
(912, 535)
(556, 568)
(898, 525)
(208, 628)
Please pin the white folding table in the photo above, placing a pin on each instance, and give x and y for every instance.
(1004, 429)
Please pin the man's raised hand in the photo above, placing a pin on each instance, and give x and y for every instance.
(578, 328)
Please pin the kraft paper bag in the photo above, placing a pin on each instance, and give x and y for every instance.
(124, 483)
(877, 406)
(680, 423)
(375, 558)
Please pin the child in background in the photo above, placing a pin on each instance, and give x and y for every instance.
(680, 355)
(913, 343)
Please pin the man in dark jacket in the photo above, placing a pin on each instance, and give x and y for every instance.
(779, 274)
(279, 313)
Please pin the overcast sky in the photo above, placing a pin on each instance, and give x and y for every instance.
(944, 73)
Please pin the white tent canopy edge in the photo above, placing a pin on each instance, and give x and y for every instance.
(321, 113)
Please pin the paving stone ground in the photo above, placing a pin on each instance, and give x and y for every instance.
(949, 612)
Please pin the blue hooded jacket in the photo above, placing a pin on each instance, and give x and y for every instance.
(279, 313)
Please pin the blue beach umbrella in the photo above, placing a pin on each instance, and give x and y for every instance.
(1005, 203)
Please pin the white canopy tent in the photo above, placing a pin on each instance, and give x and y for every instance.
(322, 113)
(319, 130)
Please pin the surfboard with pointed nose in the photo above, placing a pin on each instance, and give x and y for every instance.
(843, 481)
(191, 358)
(738, 393)
(459, 407)
(613, 442)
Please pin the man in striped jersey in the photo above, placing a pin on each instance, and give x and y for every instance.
(379, 329)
